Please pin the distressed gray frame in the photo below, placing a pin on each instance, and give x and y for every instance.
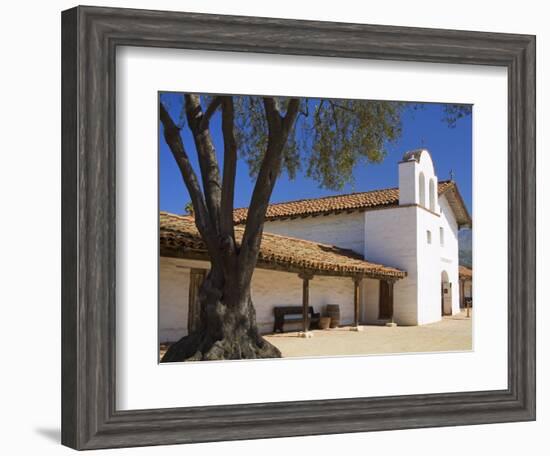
(89, 38)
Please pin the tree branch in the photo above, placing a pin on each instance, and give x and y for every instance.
(334, 116)
(278, 131)
(339, 106)
(207, 157)
(173, 139)
(290, 117)
(210, 110)
(317, 119)
(272, 114)
(229, 169)
(305, 113)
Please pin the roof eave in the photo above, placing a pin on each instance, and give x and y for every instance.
(196, 253)
(462, 221)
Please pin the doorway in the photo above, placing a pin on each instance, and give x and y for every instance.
(385, 305)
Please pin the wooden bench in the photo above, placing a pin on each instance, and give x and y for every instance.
(293, 314)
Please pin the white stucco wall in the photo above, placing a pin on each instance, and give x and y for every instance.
(408, 178)
(342, 230)
(434, 258)
(449, 252)
(390, 239)
(429, 268)
(370, 301)
(273, 288)
(269, 289)
(173, 299)
(429, 271)
(428, 248)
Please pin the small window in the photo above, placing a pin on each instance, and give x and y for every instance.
(429, 236)
(441, 236)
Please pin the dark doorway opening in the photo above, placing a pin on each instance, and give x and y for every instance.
(385, 301)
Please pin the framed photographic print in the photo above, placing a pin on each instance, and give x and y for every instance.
(280, 228)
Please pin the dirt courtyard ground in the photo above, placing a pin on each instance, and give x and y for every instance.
(451, 334)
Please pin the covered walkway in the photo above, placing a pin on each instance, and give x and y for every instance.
(179, 238)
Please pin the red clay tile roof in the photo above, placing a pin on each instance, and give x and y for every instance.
(353, 202)
(464, 272)
(179, 237)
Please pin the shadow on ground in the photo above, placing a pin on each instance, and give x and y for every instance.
(51, 434)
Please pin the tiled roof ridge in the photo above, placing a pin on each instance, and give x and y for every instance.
(387, 189)
(343, 195)
(357, 201)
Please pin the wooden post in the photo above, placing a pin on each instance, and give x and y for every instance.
(196, 278)
(305, 299)
(468, 307)
(305, 303)
(462, 294)
(390, 299)
(356, 284)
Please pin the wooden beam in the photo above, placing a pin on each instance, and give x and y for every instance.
(466, 304)
(305, 303)
(390, 298)
(357, 281)
(462, 296)
(201, 255)
(306, 277)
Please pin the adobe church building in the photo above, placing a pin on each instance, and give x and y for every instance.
(384, 256)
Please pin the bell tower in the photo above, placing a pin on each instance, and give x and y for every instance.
(417, 180)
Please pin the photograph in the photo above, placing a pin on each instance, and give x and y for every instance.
(294, 227)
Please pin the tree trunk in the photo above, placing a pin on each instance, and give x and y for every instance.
(228, 326)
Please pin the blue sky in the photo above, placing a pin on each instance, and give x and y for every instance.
(451, 149)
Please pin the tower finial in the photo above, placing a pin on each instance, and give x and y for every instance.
(452, 175)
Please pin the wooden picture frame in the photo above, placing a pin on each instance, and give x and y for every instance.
(90, 36)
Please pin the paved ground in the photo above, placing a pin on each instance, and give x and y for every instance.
(451, 334)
